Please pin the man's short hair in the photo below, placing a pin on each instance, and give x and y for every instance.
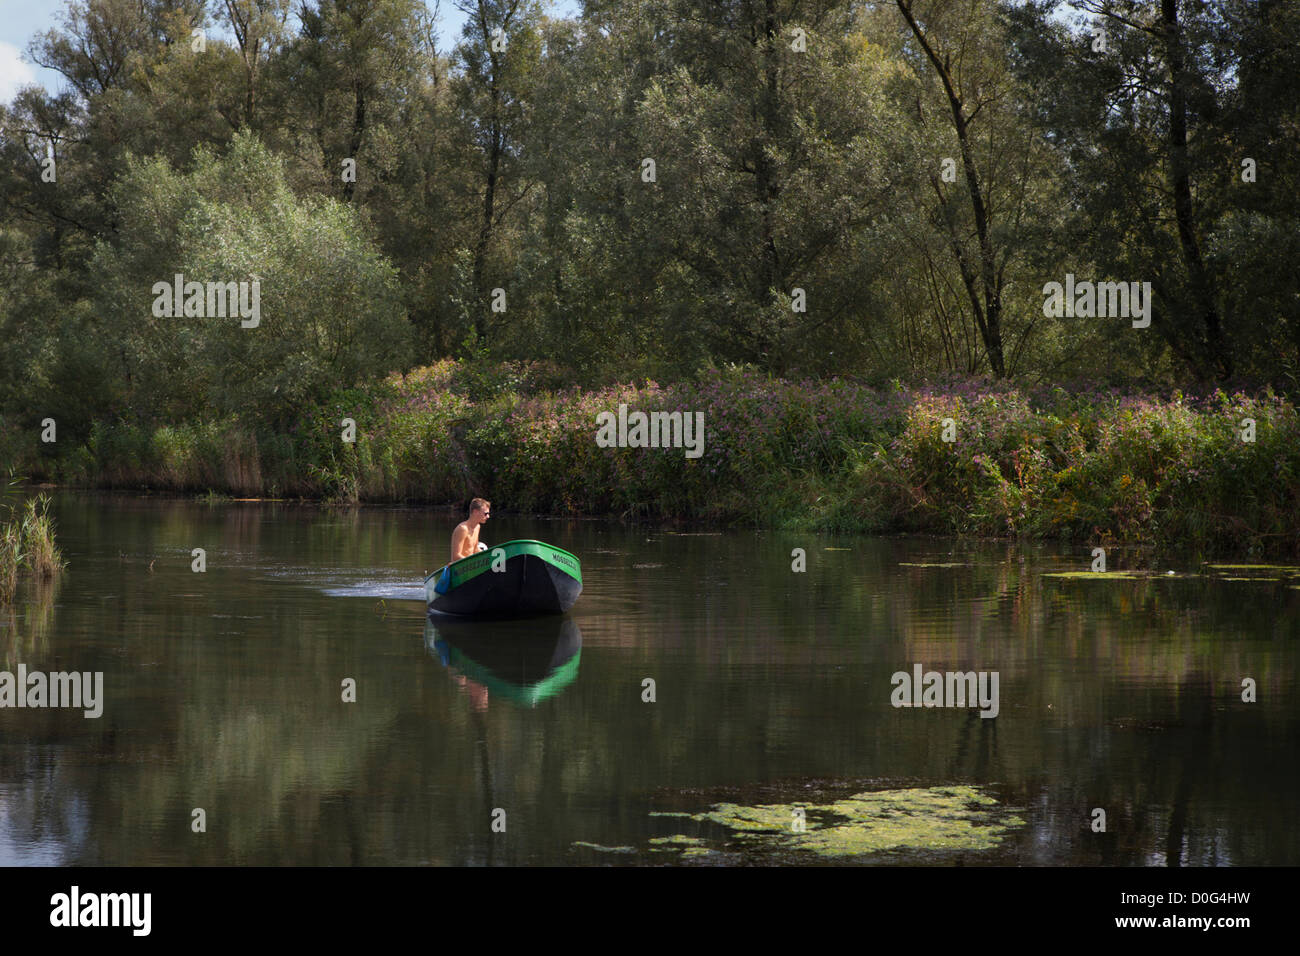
(478, 504)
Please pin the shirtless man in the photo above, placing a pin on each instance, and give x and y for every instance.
(464, 540)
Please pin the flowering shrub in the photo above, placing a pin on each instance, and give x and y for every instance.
(830, 455)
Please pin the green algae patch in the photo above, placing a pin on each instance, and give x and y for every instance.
(679, 839)
(1244, 572)
(938, 818)
(688, 845)
(1269, 573)
(604, 849)
(1097, 575)
(772, 818)
(1280, 568)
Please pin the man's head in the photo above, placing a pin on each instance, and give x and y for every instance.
(480, 509)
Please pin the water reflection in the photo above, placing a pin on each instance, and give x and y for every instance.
(25, 625)
(223, 691)
(522, 661)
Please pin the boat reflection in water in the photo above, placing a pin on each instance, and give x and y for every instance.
(522, 660)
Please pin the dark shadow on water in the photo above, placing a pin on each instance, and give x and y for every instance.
(523, 661)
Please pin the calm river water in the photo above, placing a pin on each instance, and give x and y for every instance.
(769, 730)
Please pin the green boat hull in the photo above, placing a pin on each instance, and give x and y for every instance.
(514, 579)
(523, 662)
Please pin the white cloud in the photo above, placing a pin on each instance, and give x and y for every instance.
(13, 71)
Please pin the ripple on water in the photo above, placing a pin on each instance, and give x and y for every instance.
(377, 589)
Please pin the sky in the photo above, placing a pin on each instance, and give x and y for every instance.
(20, 20)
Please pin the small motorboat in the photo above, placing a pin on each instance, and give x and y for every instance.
(514, 579)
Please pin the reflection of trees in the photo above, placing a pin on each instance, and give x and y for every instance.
(1194, 706)
(40, 831)
(485, 769)
(25, 625)
(1124, 696)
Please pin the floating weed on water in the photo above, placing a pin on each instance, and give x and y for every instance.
(1278, 573)
(938, 818)
(1096, 575)
(1281, 568)
(604, 849)
(771, 818)
(677, 839)
(1271, 573)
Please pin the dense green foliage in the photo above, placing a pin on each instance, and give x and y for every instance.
(811, 188)
(918, 168)
(832, 455)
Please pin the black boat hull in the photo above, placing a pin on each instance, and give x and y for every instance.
(517, 579)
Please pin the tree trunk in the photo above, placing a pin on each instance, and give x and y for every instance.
(988, 313)
(495, 147)
(485, 228)
(767, 188)
(358, 131)
(1216, 355)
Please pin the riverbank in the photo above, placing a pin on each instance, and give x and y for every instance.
(1210, 474)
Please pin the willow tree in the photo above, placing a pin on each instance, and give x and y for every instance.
(957, 43)
(762, 126)
(498, 55)
(1145, 102)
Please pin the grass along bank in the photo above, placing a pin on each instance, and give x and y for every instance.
(26, 542)
(1212, 474)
